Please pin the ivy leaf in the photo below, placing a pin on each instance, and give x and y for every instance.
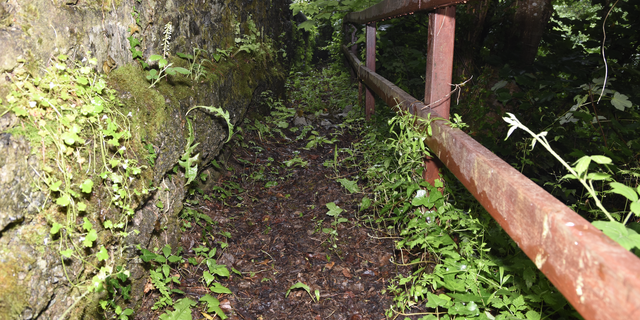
(71, 138)
(87, 186)
(208, 277)
(102, 254)
(422, 201)
(90, 238)
(55, 228)
(218, 288)
(620, 101)
(55, 186)
(351, 186)
(67, 253)
(334, 210)
(133, 42)
(87, 224)
(213, 305)
(64, 201)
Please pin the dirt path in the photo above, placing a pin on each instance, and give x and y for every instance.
(274, 220)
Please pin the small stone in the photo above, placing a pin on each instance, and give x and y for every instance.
(300, 121)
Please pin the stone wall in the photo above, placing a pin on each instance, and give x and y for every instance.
(34, 284)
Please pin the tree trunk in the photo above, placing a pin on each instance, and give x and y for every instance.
(529, 23)
(473, 16)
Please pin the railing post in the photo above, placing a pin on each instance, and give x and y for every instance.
(442, 27)
(371, 64)
(354, 50)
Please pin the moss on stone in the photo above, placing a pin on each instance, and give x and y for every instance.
(13, 296)
(147, 105)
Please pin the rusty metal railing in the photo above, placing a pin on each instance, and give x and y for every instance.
(596, 275)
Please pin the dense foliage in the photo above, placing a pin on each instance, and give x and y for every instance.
(579, 92)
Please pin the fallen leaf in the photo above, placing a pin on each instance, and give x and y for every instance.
(133, 28)
(149, 286)
(225, 305)
(329, 265)
(346, 273)
(207, 316)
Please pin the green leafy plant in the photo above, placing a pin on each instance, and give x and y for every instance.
(76, 120)
(296, 161)
(219, 112)
(164, 69)
(161, 277)
(187, 161)
(134, 42)
(306, 288)
(447, 247)
(316, 140)
(253, 42)
(626, 237)
(182, 310)
(213, 305)
(196, 60)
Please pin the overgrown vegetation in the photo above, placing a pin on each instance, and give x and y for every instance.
(74, 119)
(90, 154)
(577, 91)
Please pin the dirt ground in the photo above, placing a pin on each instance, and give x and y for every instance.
(275, 237)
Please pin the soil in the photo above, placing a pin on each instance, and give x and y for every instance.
(276, 238)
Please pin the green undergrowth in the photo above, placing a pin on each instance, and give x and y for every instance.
(463, 264)
(252, 56)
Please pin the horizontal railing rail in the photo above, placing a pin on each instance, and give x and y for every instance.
(596, 275)
(392, 9)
